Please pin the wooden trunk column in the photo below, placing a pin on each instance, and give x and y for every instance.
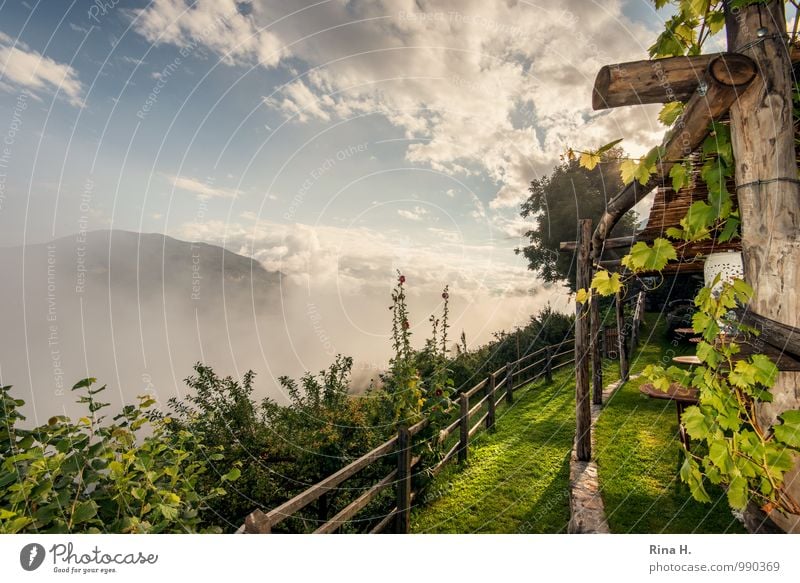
(583, 412)
(763, 144)
(597, 361)
(619, 308)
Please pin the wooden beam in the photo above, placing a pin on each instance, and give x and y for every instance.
(774, 333)
(660, 80)
(615, 243)
(723, 88)
(583, 411)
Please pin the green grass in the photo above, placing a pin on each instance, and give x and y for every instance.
(639, 456)
(516, 479)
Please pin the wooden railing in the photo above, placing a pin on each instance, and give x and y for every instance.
(498, 385)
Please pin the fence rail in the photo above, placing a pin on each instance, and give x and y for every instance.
(498, 384)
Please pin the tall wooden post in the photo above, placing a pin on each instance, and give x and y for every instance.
(619, 307)
(597, 362)
(583, 412)
(403, 524)
(509, 382)
(638, 314)
(762, 133)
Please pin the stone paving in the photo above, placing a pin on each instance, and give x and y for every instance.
(587, 513)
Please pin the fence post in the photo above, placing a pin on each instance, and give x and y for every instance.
(509, 382)
(548, 364)
(637, 320)
(583, 411)
(597, 362)
(491, 388)
(623, 356)
(464, 427)
(403, 519)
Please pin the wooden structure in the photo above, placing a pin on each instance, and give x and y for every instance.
(752, 85)
(497, 385)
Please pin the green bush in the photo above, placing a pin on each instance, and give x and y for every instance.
(131, 475)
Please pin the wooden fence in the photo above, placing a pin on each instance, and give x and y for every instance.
(496, 387)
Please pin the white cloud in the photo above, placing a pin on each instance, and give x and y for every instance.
(201, 189)
(496, 88)
(22, 68)
(415, 214)
(219, 25)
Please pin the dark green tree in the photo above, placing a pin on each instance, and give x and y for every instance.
(558, 201)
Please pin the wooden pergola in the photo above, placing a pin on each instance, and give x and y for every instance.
(752, 86)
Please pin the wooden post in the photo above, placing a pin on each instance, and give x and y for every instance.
(583, 412)
(548, 364)
(463, 443)
(322, 508)
(403, 518)
(762, 133)
(597, 361)
(509, 382)
(623, 355)
(638, 314)
(490, 401)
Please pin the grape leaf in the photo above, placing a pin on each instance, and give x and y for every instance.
(605, 283)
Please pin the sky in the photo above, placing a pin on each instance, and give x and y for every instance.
(334, 141)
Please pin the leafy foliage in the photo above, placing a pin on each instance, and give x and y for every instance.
(571, 191)
(96, 476)
(749, 459)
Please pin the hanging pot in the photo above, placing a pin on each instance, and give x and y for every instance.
(727, 265)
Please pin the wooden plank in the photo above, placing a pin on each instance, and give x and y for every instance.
(782, 336)
(619, 308)
(476, 388)
(356, 505)
(597, 361)
(688, 133)
(478, 425)
(583, 411)
(531, 366)
(614, 243)
(403, 524)
(463, 444)
(381, 526)
(414, 429)
(661, 80)
(264, 522)
(477, 406)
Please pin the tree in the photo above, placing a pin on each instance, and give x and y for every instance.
(558, 201)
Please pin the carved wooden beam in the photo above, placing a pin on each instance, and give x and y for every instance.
(726, 77)
(663, 80)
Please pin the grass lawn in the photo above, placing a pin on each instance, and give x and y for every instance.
(639, 456)
(517, 479)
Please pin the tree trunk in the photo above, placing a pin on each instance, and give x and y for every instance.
(769, 201)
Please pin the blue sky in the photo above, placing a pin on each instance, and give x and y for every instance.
(335, 141)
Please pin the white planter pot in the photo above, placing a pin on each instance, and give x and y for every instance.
(727, 265)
